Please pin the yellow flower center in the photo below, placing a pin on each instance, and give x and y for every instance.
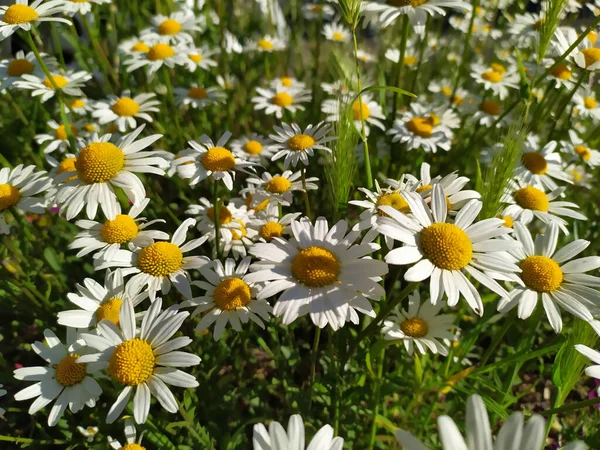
(562, 71)
(499, 68)
(18, 67)
(169, 27)
(195, 57)
(282, 99)
(61, 132)
(68, 372)
(90, 127)
(316, 267)
(126, 107)
(429, 187)
(239, 233)
(278, 185)
(286, 81)
(337, 36)
(224, 215)
(421, 126)
(77, 103)
(265, 45)
(198, 93)
(395, 200)
(592, 36)
(300, 142)
(541, 273)
(140, 47)
(583, 152)
(457, 100)
(99, 162)
(253, 147)
(409, 60)
(132, 362)
(360, 111)
(535, 163)
(270, 230)
(591, 55)
(16, 14)
(67, 165)
(160, 51)
(120, 230)
(160, 259)
(232, 293)
(447, 91)
(60, 82)
(218, 159)
(258, 208)
(589, 102)
(415, 327)
(491, 108)
(132, 446)
(492, 76)
(532, 198)
(9, 196)
(109, 310)
(446, 245)
(508, 221)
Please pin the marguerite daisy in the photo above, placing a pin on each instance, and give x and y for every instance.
(255, 148)
(228, 298)
(266, 44)
(70, 83)
(13, 69)
(133, 442)
(278, 100)
(278, 439)
(580, 150)
(64, 379)
(73, 7)
(58, 140)
(297, 145)
(197, 96)
(205, 219)
(447, 252)
(177, 27)
(102, 166)
(336, 32)
(363, 109)
(495, 78)
(158, 55)
(321, 272)
(540, 167)
(279, 188)
(586, 105)
(143, 358)
(550, 274)
(200, 57)
(268, 225)
(123, 110)
(21, 15)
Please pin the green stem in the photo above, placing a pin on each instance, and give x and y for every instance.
(422, 46)
(466, 49)
(58, 45)
(27, 441)
(305, 194)
(376, 399)
(313, 365)
(565, 103)
(571, 407)
(400, 65)
(17, 109)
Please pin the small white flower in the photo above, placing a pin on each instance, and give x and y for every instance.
(336, 32)
(69, 83)
(21, 15)
(277, 101)
(123, 110)
(297, 145)
(495, 78)
(363, 109)
(277, 438)
(197, 96)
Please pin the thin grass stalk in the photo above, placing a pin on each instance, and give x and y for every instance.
(305, 195)
(465, 52)
(400, 65)
(313, 365)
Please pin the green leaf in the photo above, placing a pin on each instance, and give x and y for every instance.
(52, 259)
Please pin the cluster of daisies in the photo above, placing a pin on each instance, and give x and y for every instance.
(253, 259)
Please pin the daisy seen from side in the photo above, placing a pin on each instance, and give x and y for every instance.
(21, 15)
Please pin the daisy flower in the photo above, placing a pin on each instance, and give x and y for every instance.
(277, 438)
(177, 27)
(21, 15)
(388, 11)
(579, 176)
(488, 112)
(73, 7)
(580, 151)
(268, 225)
(586, 105)
(391, 196)
(447, 252)
(205, 219)
(277, 101)
(421, 326)
(102, 166)
(266, 44)
(58, 140)
(136, 45)
(525, 29)
(69, 83)
(98, 302)
(280, 188)
(226, 81)
(513, 435)
(143, 358)
(17, 189)
(495, 78)
(420, 131)
(228, 298)
(158, 264)
(587, 53)
(200, 57)
(321, 272)
(540, 167)
(89, 433)
(554, 276)
(81, 106)
(208, 159)
(124, 110)
(198, 97)
(336, 32)
(64, 379)
(256, 148)
(242, 237)
(110, 235)
(368, 111)
(297, 145)
(528, 202)
(594, 356)
(317, 11)
(561, 74)
(13, 69)
(232, 44)
(133, 442)
(338, 88)
(158, 55)
(287, 82)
